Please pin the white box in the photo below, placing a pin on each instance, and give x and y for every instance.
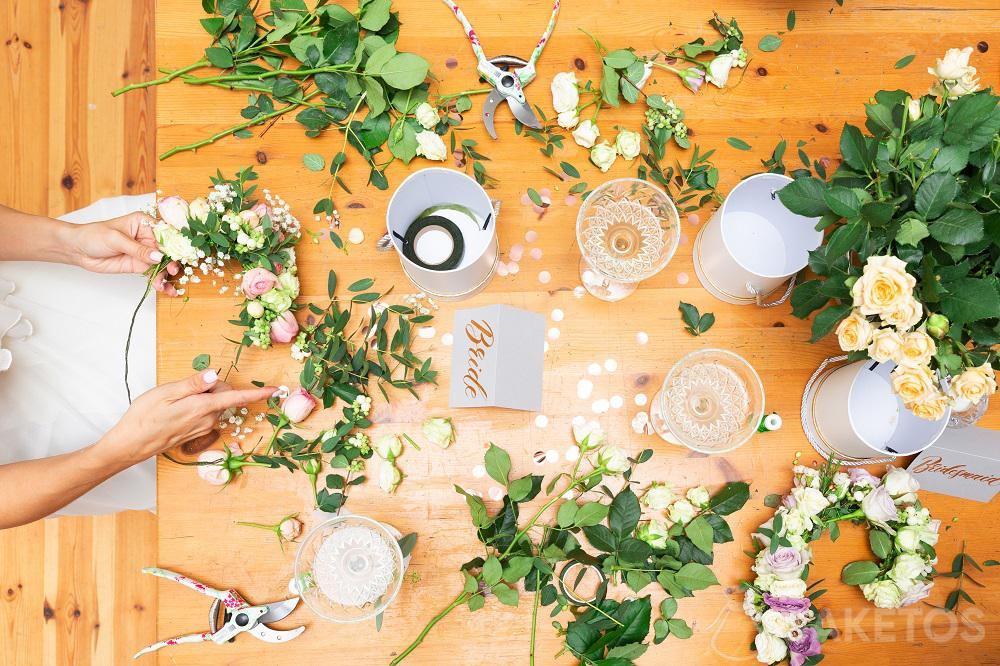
(964, 462)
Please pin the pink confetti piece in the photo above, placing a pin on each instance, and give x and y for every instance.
(531, 235)
(682, 278)
(515, 252)
(535, 253)
(545, 277)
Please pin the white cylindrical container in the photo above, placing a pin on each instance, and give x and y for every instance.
(856, 414)
(460, 199)
(753, 244)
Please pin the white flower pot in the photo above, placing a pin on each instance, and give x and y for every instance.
(856, 414)
(438, 186)
(753, 244)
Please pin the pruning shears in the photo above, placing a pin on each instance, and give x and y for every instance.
(507, 74)
(238, 616)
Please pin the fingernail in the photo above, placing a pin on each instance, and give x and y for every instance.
(156, 255)
(210, 376)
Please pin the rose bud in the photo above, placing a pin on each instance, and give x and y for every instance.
(258, 281)
(260, 210)
(290, 528)
(174, 212)
(298, 405)
(284, 328)
(199, 209)
(938, 326)
(255, 309)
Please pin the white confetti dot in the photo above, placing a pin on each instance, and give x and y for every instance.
(594, 369)
(531, 236)
(572, 453)
(642, 337)
(584, 388)
(551, 456)
(600, 406)
(579, 291)
(513, 268)
(426, 332)
(502, 270)
(617, 401)
(611, 365)
(515, 253)
(356, 236)
(447, 339)
(579, 421)
(541, 421)
(641, 399)
(496, 493)
(479, 471)
(554, 333)
(558, 315)
(545, 277)
(545, 347)
(682, 278)
(535, 253)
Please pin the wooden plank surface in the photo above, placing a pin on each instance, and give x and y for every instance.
(826, 69)
(70, 588)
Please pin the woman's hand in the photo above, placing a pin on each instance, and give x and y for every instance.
(122, 245)
(172, 414)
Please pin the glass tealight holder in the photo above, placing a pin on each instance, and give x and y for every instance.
(627, 230)
(711, 401)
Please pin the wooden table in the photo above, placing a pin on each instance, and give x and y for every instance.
(832, 62)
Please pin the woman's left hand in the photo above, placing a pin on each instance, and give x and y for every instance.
(121, 245)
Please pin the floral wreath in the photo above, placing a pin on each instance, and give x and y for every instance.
(902, 536)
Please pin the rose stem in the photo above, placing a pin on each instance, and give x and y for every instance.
(534, 619)
(163, 79)
(459, 600)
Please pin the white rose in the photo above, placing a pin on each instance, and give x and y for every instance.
(907, 567)
(175, 244)
(389, 477)
(658, 496)
(628, 144)
(885, 345)
(879, 507)
(883, 286)
(974, 384)
(917, 350)
(913, 109)
(389, 447)
(682, 511)
(277, 301)
(750, 600)
(770, 648)
(883, 593)
(588, 436)
(439, 430)
(255, 309)
(854, 332)
(841, 481)
(613, 460)
(929, 535)
(803, 476)
(954, 65)
(568, 119)
(232, 218)
(795, 588)
(431, 146)
(288, 283)
(565, 96)
(654, 533)
(698, 496)
(955, 89)
(765, 581)
(809, 501)
(427, 116)
(912, 384)
(213, 473)
(906, 316)
(603, 155)
(898, 482)
(199, 209)
(778, 623)
(718, 69)
(586, 134)
(290, 528)
(796, 522)
(797, 541)
(908, 538)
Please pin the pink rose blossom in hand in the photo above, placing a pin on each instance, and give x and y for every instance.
(298, 405)
(257, 282)
(284, 328)
(174, 211)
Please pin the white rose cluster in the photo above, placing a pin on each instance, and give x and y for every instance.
(674, 508)
(955, 76)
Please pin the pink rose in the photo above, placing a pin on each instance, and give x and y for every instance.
(260, 210)
(298, 405)
(174, 211)
(213, 473)
(284, 328)
(290, 528)
(258, 281)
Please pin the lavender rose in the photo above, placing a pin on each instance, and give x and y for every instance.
(862, 477)
(805, 646)
(786, 563)
(917, 591)
(787, 604)
(879, 506)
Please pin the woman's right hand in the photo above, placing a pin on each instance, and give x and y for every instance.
(172, 414)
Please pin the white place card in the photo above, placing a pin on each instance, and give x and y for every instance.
(964, 462)
(497, 358)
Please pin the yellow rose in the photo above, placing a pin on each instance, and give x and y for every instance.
(854, 332)
(931, 407)
(904, 317)
(913, 384)
(885, 345)
(974, 383)
(884, 285)
(918, 349)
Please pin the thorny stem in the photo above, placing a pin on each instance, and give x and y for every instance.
(163, 79)
(534, 618)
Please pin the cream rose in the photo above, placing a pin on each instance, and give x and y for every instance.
(855, 332)
(809, 501)
(586, 134)
(913, 384)
(956, 77)
(427, 116)
(917, 350)
(974, 384)
(603, 155)
(793, 587)
(884, 285)
(430, 145)
(568, 119)
(770, 648)
(565, 96)
(931, 407)
(905, 317)
(628, 144)
(885, 345)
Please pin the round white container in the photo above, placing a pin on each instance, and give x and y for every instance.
(438, 186)
(753, 244)
(858, 415)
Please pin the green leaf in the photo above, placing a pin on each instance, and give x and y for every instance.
(480, 517)
(769, 43)
(377, 60)
(805, 196)
(331, 284)
(535, 197)
(314, 161)
(498, 464)
(517, 568)
(904, 61)
(633, 551)
(660, 631)
(620, 59)
(668, 607)
(880, 543)
(566, 514)
(361, 285)
(520, 488)
(624, 514)
(958, 226)
(738, 144)
(855, 148)
(403, 141)
(972, 120)
(842, 201)
(405, 71)
(492, 570)
(375, 14)
(845, 238)
(591, 513)
(695, 576)
(807, 298)
(408, 543)
(609, 85)
(569, 170)
(700, 533)
(469, 583)
(859, 573)
(911, 232)
(600, 537)
(790, 20)
(934, 194)
(219, 57)
(971, 299)
(476, 602)
(952, 158)
(826, 320)
(201, 361)
(680, 628)
(731, 498)
(627, 652)
(506, 595)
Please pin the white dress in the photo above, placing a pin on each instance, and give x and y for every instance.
(62, 342)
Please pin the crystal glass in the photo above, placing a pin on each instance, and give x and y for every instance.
(712, 401)
(349, 568)
(628, 231)
(968, 416)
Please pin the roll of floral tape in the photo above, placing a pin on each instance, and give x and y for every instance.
(434, 242)
(769, 423)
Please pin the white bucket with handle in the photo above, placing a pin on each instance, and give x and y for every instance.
(753, 245)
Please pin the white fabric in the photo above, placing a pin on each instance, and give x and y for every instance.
(64, 388)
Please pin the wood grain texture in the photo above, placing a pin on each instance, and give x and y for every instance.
(830, 65)
(70, 588)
